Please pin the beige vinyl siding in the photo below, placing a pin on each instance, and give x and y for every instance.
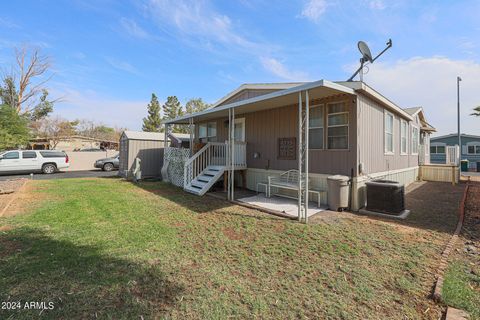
(247, 94)
(264, 128)
(150, 152)
(371, 144)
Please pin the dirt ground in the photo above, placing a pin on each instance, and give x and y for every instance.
(7, 186)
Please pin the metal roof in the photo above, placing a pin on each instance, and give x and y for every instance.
(413, 111)
(142, 135)
(268, 101)
(455, 135)
(257, 86)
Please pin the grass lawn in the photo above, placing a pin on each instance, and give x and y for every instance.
(461, 288)
(106, 248)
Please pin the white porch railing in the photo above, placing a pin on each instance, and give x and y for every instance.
(214, 154)
(452, 155)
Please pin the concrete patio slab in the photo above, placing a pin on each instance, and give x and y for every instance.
(280, 204)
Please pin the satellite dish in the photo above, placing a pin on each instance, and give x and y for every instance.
(367, 57)
(365, 51)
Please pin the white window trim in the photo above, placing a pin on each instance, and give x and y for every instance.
(242, 121)
(418, 140)
(385, 133)
(438, 144)
(473, 144)
(321, 106)
(402, 122)
(206, 136)
(326, 114)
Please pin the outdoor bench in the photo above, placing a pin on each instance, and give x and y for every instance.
(289, 180)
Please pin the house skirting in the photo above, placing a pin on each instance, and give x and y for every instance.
(319, 182)
(359, 189)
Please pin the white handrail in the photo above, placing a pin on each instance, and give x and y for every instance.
(213, 153)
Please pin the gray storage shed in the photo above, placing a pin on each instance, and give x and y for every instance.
(147, 146)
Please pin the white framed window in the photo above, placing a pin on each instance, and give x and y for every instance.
(403, 137)
(316, 123)
(473, 148)
(388, 129)
(437, 149)
(337, 126)
(414, 140)
(207, 131)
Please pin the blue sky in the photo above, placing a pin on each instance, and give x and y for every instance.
(109, 56)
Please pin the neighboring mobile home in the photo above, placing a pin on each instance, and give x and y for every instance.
(352, 130)
(470, 149)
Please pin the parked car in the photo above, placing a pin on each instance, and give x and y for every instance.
(108, 164)
(90, 150)
(28, 161)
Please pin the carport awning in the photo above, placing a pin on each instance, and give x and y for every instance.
(316, 90)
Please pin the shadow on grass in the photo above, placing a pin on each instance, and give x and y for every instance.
(204, 204)
(200, 205)
(81, 281)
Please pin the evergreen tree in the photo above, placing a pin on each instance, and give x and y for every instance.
(477, 111)
(173, 109)
(14, 130)
(153, 122)
(195, 105)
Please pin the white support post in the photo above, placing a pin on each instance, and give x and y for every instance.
(165, 139)
(232, 197)
(228, 162)
(191, 136)
(300, 155)
(306, 126)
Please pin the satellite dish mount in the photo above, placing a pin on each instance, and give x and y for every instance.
(367, 57)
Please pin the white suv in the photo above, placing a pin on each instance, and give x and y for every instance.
(46, 161)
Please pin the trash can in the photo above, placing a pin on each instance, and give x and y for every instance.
(464, 165)
(338, 192)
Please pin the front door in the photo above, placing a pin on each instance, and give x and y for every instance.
(239, 130)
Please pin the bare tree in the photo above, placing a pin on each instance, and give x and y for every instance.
(24, 87)
(54, 129)
(30, 67)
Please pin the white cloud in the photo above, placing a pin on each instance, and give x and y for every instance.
(280, 70)
(133, 29)
(377, 4)
(8, 23)
(198, 19)
(121, 65)
(431, 83)
(91, 106)
(314, 9)
(198, 23)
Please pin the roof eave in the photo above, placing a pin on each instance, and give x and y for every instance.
(303, 87)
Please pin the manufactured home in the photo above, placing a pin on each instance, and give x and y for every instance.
(320, 128)
(470, 149)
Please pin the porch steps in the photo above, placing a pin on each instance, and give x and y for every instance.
(205, 180)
